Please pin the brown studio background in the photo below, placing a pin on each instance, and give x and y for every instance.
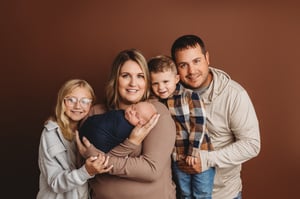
(44, 43)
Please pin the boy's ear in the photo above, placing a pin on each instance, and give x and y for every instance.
(177, 78)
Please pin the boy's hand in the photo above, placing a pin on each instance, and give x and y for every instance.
(190, 160)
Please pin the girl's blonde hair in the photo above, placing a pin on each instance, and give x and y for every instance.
(60, 108)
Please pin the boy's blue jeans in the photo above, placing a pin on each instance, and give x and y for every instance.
(239, 196)
(196, 186)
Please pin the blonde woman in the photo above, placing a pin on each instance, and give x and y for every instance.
(146, 171)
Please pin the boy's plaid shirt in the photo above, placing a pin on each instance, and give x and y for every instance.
(187, 110)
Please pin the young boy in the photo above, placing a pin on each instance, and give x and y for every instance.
(105, 131)
(187, 110)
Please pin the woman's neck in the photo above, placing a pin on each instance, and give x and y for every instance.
(123, 106)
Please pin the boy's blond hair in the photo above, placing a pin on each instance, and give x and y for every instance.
(161, 63)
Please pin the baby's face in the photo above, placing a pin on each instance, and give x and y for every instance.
(164, 83)
(139, 113)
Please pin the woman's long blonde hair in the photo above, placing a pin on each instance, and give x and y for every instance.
(60, 108)
(112, 93)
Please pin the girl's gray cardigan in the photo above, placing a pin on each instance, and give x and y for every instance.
(59, 177)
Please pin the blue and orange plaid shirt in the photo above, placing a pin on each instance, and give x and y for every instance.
(187, 110)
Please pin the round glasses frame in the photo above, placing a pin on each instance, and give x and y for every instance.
(72, 101)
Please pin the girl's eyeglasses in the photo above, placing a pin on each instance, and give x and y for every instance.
(71, 101)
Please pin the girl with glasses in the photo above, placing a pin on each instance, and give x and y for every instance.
(59, 175)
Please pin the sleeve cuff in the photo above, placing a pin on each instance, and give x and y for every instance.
(84, 174)
(203, 158)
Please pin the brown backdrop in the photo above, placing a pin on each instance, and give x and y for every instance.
(44, 43)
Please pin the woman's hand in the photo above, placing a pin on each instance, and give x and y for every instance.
(97, 164)
(139, 132)
(86, 149)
